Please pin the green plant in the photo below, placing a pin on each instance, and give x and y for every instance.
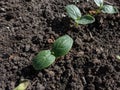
(43, 59)
(46, 57)
(74, 13)
(105, 8)
(23, 85)
(62, 46)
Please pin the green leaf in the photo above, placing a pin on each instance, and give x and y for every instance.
(43, 59)
(87, 19)
(62, 45)
(118, 57)
(73, 11)
(109, 9)
(23, 85)
(99, 3)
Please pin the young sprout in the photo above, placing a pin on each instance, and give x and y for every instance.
(46, 57)
(23, 85)
(105, 8)
(74, 13)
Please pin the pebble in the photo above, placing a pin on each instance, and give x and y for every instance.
(78, 41)
(2, 9)
(40, 87)
(84, 80)
(90, 87)
(79, 54)
(96, 61)
(51, 73)
(52, 86)
(34, 48)
(27, 47)
(15, 67)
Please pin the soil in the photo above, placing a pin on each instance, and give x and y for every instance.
(28, 26)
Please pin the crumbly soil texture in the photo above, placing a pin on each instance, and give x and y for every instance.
(29, 26)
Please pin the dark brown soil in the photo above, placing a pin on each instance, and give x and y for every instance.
(26, 26)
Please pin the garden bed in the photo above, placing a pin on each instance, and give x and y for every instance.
(28, 26)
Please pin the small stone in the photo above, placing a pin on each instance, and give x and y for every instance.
(40, 74)
(98, 50)
(63, 15)
(67, 57)
(110, 68)
(40, 87)
(78, 41)
(52, 86)
(27, 47)
(100, 88)
(90, 87)
(2, 10)
(96, 61)
(16, 58)
(15, 67)
(84, 80)
(51, 73)
(74, 79)
(101, 20)
(12, 84)
(34, 48)
(50, 41)
(79, 54)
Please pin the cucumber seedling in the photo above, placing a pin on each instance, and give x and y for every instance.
(74, 13)
(43, 59)
(105, 8)
(62, 46)
(46, 57)
(23, 85)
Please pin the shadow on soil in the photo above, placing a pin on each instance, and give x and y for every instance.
(29, 72)
(60, 25)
